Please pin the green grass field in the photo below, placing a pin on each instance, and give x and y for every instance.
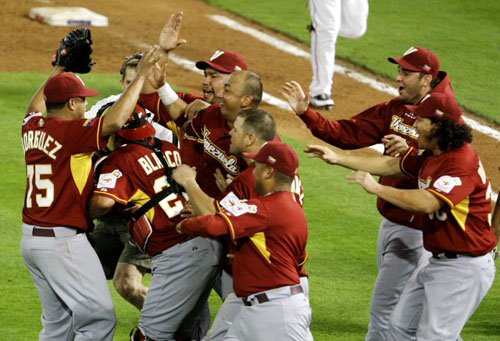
(343, 226)
(463, 33)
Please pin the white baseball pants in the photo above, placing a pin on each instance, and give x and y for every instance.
(441, 297)
(75, 296)
(331, 18)
(399, 251)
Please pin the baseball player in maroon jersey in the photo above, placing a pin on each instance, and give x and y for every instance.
(399, 248)
(252, 128)
(184, 269)
(270, 233)
(455, 194)
(215, 72)
(69, 278)
(210, 129)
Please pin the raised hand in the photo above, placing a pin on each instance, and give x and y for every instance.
(364, 179)
(323, 153)
(194, 108)
(158, 77)
(395, 145)
(148, 61)
(293, 93)
(169, 35)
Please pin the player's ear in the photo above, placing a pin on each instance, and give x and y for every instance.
(250, 140)
(246, 101)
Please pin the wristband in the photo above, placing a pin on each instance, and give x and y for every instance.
(167, 95)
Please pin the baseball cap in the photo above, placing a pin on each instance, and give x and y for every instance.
(137, 126)
(278, 155)
(64, 86)
(224, 61)
(439, 106)
(418, 59)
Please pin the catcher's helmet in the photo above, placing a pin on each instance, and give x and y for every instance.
(137, 126)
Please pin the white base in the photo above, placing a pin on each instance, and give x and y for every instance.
(67, 16)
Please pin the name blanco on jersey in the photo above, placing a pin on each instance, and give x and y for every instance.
(405, 129)
(228, 162)
(151, 162)
(41, 141)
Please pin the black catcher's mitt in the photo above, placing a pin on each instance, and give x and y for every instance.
(75, 52)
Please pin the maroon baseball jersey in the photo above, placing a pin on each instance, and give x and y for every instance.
(192, 152)
(458, 179)
(59, 173)
(243, 186)
(271, 232)
(210, 130)
(134, 174)
(368, 128)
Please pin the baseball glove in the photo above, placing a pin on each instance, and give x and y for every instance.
(75, 52)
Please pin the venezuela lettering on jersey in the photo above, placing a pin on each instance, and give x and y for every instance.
(405, 129)
(41, 141)
(228, 162)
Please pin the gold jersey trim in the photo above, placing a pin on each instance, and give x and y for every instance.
(81, 168)
(140, 198)
(461, 211)
(259, 240)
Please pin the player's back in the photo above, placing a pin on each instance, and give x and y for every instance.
(135, 174)
(59, 169)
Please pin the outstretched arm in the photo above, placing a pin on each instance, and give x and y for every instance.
(37, 103)
(99, 205)
(123, 108)
(378, 165)
(415, 200)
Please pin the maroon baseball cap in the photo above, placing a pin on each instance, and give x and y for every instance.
(439, 106)
(224, 61)
(278, 155)
(64, 86)
(418, 59)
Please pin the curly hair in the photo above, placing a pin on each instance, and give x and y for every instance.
(450, 134)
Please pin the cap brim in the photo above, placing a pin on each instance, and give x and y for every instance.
(250, 155)
(89, 93)
(405, 65)
(202, 65)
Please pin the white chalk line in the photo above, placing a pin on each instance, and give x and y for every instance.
(296, 51)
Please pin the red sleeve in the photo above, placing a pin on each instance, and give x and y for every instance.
(113, 183)
(362, 130)
(206, 226)
(153, 103)
(452, 184)
(411, 162)
(83, 135)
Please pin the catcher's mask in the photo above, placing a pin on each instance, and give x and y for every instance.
(137, 126)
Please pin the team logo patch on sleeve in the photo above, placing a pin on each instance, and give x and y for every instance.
(446, 183)
(108, 180)
(232, 204)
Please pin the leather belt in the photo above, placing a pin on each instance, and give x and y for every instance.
(48, 232)
(43, 232)
(263, 298)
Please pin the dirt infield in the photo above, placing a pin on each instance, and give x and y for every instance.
(131, 23)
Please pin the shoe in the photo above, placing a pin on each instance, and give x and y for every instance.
(322, 102)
